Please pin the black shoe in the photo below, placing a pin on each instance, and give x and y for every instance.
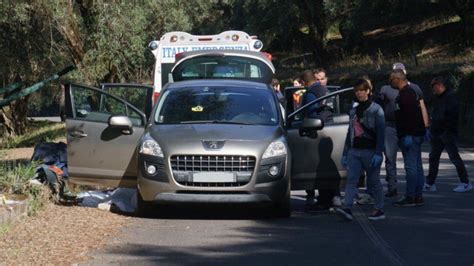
(345, 213)
(391, 193)
(316, 207)
(405, 202)
(377, 215)
(419, 201)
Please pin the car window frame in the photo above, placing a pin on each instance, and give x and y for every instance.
(73, 114)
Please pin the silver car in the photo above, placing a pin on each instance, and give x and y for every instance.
(210, 140)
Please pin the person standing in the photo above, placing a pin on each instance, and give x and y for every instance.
(276, 88)
(386, 98)
(410, 128)
(363, 150)
(315, 90)
(444, 132)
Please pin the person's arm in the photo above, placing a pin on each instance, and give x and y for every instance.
(424, 113)
(380, 131)
(452, 113)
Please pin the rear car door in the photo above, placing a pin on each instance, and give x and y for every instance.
(316, 159)
(98, 153)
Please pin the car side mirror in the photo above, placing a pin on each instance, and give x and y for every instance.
(310, 126)
(122, 123)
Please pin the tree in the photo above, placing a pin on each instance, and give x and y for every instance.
(465, 10)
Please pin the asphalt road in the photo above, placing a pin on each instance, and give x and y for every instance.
(439, 233)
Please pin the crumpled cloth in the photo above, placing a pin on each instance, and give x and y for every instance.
(122, 199)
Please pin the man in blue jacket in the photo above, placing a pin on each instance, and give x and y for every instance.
(323, 111)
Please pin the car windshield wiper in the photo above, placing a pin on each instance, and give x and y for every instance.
(215, 122)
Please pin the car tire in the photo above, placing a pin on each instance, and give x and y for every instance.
(144, 208)
(282, 209)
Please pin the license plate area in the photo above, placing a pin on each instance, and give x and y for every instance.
(214, 177)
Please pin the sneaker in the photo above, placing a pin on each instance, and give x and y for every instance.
(419, 201)
(405, 202)
(336, 201)
(377, 215)
(365, 200)
(463, 187)
(391, 193)
(346, 213)
(429, 188)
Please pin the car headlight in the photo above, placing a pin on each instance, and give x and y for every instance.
(276, 148)
(151, 147)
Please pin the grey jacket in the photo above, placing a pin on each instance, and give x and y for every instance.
(373, 120)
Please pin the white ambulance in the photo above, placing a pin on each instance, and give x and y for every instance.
(173, 43)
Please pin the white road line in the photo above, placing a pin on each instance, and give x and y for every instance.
(391, 255)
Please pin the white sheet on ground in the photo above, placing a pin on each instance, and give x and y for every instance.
(124, 199)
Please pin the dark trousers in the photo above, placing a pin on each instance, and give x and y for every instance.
(438, 143)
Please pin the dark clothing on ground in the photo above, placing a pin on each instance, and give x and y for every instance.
(444, 114)
(409, 120)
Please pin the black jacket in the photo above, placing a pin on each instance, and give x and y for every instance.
(444, 113)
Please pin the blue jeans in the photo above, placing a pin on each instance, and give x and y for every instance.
(358, 160)
(413, 167)
(391, 149)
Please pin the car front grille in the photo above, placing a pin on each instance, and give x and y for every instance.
(184, 166)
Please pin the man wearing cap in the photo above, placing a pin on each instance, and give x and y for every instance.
(410, 131)
(386, 99)
(444, 121)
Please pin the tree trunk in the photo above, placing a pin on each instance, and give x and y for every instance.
(14, 119)
(71, 33)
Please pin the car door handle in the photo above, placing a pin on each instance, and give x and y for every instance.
(77, 134)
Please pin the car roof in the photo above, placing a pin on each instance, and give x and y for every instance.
(217, 82)
(242, 53)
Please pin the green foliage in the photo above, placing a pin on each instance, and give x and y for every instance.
(14, 181)
(37, 132)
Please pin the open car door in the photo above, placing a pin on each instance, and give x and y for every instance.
(138, 95)
(103, 131)
(316, 158)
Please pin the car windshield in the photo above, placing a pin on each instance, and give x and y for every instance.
(221, 105)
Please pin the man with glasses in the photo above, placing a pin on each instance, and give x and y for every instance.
(386, 98)
(411, 129)
(444, 122)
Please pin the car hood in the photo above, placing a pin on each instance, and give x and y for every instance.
(238, 139)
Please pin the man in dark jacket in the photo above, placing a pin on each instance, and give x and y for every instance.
(444, 131)
(322, 110)
(410, 130)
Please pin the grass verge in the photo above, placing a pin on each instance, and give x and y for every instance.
(38, 131)
(14, 182)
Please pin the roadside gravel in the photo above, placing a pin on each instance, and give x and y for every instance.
(59, 235)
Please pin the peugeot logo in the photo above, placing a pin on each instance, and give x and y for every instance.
(213, 144)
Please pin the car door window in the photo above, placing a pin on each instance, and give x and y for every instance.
(92, 105)
(138, 95)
